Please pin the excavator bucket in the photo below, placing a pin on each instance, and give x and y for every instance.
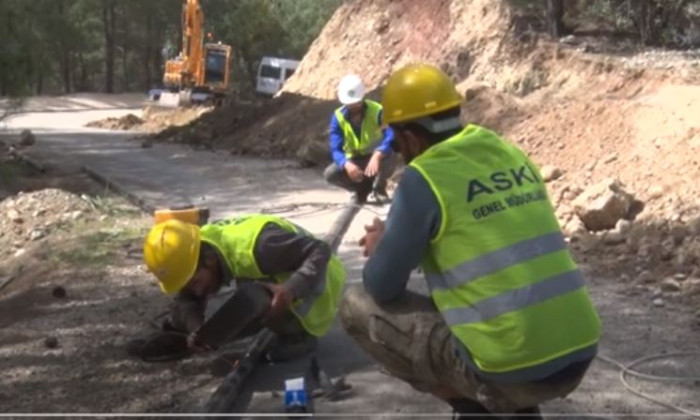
(169, 100)
(166, 99)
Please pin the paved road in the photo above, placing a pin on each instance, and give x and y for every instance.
(166, 175)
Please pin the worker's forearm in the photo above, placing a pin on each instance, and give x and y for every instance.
(336, 143)
(305, 280)
(187, 312)
(385, 146)
(279, 251)
(413, 220)
(339, 158)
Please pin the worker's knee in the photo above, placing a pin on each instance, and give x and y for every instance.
(355, 307)
(332, 173)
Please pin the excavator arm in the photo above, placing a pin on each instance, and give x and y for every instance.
(201, 71)
(182, 71)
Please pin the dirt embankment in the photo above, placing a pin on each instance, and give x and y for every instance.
(290, 125)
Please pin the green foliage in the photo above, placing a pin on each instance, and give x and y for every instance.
(670, 23)
(53, 46)
(257, 28)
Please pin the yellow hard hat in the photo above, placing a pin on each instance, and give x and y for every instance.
(171, 253)
(416, 91)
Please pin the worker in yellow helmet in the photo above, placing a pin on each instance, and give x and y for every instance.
(363, 159)
(508, 322)
(194, 262)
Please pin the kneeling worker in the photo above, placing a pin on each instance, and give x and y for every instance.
(304, 278)
(509, 323)
(363, 160)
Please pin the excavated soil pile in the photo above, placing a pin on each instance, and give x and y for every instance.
(277, 128)
(127, 122)
(154, 119)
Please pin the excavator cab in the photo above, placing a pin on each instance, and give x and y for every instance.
(216, 65)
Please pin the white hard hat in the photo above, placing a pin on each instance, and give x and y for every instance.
(351, 90)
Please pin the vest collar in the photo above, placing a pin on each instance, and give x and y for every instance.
(345, 110)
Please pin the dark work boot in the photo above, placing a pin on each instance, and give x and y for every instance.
(469, 407)
(360, 198)
(362, 191)
(381, 197)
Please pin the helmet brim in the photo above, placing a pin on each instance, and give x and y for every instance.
(349, 99)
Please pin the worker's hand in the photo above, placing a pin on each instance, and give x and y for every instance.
(354, 172)
(282, 299)
(195, 345)
(373, 165)
(372, 237)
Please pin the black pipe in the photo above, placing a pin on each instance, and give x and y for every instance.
(341, 226)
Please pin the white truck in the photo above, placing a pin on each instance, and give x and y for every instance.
(273, 72)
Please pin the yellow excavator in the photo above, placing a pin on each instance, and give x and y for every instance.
(200, 73)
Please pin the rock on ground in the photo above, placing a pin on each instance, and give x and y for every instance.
(33, 216)
(550, 173)
(26, 138)
(602, 205)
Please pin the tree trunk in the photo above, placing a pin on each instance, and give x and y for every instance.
(147, 48)
(65, 66)
(555, 18)
(82, 84)
(248, 65)
(125, 67)
(125, 52)
(64, 53)
(158, 66)
(109, 29)
(40, 81)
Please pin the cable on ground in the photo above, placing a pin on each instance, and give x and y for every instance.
(627, 370)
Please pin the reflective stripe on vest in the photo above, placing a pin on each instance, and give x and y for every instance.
(499, 269)
(516, 299)
(235, 240)
(370, 131)
(496, 260)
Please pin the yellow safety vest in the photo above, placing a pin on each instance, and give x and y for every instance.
(235, 240)
(370, 132)
(499, 269)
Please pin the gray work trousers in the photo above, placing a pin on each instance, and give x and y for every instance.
(336, 175)
(410, 339)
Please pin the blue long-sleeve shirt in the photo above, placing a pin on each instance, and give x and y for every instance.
(413, 220)
(338, 139)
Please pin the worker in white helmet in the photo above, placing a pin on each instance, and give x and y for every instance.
(363, 159)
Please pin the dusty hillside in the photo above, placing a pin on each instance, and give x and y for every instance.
(371, 38)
